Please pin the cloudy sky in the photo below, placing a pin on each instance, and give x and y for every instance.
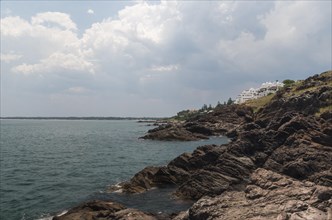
(152, 58)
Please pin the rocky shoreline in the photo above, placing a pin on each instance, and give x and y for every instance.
(223, 120)
(277, 166)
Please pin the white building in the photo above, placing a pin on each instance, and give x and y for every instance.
(265, 89)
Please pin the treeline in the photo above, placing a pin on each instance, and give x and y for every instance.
(206, 107)
(186, 114)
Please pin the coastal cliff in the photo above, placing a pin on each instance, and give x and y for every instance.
(277, 166)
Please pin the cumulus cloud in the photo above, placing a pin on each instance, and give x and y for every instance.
(45, 47)
(50, 18)
(181, 54)
(14, 26)
(55, 62)
(288, 36)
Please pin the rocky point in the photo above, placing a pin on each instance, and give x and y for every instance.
(277, 166)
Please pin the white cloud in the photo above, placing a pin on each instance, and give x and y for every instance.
(295, 34)
(90, 11)
(48, 19)
(14, 26)
(54, 63)
(44, 48)
(9, 57)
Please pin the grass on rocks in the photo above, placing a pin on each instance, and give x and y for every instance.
(259, 103)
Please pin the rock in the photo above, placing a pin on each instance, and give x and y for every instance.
(306, 150)
(141, 181)
(197, 128)
(209, 170)
(173, 132)
(219, 122)
(268, 196)
(104, 210)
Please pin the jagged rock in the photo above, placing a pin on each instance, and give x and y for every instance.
(306, 150)
(141, 181)
(209, 170)
(104, 210)
(219, 122)
(268, 196)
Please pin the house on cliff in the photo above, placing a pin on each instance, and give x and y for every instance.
(264, 90)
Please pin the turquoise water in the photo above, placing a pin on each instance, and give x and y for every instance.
(48, 166)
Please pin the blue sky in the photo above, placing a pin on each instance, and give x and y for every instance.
(152, 58)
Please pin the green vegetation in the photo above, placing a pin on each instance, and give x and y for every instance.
(186, 114)
(324, 109)
(259, 103)
(230, 101)
(298, 87)
(288, 82)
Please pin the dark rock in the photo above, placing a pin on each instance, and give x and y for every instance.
(141, 181)
(171, 132)
(327, 115)
(219, 122)
(104, 210)
(200, 130)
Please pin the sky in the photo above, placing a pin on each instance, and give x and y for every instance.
(153, 58)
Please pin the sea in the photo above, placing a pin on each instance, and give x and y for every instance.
(49, 166)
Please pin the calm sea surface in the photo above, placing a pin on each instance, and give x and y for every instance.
(48, 166)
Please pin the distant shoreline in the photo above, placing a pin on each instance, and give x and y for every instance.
(86, 118)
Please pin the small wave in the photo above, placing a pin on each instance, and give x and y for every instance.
(48, 217)
(62, 213)
(116, 188)
(118, 191)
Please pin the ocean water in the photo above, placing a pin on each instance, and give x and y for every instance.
(48, 166)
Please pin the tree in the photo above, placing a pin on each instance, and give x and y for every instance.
(230, 101)
(288, 82)
(205, 107)
(218, 104)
